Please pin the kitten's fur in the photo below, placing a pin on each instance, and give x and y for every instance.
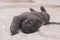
(29, 22)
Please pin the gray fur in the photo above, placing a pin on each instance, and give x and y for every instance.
(29, 22)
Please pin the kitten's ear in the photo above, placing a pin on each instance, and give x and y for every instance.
(40, 21)
(32, 10)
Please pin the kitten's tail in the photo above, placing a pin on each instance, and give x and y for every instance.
(42, 9)
(56, 23)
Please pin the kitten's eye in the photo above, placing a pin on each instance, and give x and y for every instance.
(30, 22)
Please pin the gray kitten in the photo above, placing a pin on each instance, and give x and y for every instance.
(29, 22)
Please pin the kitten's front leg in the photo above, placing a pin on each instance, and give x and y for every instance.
(16, 24)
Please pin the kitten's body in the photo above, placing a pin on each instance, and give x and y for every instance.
(29, 22)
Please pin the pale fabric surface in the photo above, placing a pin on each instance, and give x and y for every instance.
(23, 1)
(48, 2)
(48, 32)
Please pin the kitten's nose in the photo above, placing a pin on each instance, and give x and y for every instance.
(25, 26)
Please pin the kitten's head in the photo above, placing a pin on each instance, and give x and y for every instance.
(31, 25)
